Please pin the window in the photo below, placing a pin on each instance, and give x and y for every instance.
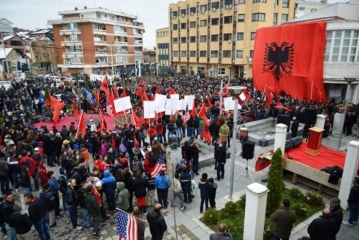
(226, 53)
(192, 39)
(241, 17)
(203, 53)
(284, 18)
(203, 38)
(227, 37)
(341, 46)
(183, 25)
(241, 1)
(227, 19)
(183, 54)
(285, 4)
(214, 21)
(174, 14)
(203, 23)
(175, 54)
(192, 53)
(192, 10)
(227, 3)
(214, 54)
(313, 10)
(203, 8)
(174, 27)
(175, 40)
(240, 36)
(253, 35)
(251, 53)
(259, 1)
(183, 12)
(192, 24)
(183, 40)
(239, 53)
(214, 38)
(275, 19)
(258, 17)
(215, 5)
(73, 26)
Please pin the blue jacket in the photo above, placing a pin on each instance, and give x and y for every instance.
(162, 182)
(109, 182)
(54, 185)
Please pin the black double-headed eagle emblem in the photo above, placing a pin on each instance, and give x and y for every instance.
(279, 60)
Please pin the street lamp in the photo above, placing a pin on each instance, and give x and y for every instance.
(349, 80)
(235, 92)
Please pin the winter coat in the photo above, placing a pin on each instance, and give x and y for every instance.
(176, 186)
(72, 197)
(337, 214)
(140, 187)
(54, 185)
(322, 228)
(48, 199)
(21, 222)
(204, 188)
(156, 222)
(212, 188)
(283, 220)
(92, 205)
(43, 174)
(4, 168)
(162, 182)
(354, 195)
(108, 182)
(122, 200)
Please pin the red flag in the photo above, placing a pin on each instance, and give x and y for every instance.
(137, 120)
(97, 96)
(144, 96)
(105, 87)
(225, 91)
(113, 141)
(194, 110)
(139, 91)
(76, 110)
(82, 126)
(268, 96)
(103, 124)
(159, 90)
(290, 58)
(56, 106)
(209, 102)
(172, 91)
(115, 93)
(205, 131)
(124, 94)
(202, 112)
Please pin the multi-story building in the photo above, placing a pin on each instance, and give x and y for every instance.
(96, 40)
(341, 57)
(308, 6)
(216, 37)
(163, 51)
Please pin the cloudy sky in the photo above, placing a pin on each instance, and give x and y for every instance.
(32, 14)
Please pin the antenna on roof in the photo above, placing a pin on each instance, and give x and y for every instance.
(85, 7)
(76, 8)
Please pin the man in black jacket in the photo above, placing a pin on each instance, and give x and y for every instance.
(37, 214)
(323, 227)
(336, 212)
(22, 224)
(353, 202)
(220, 157)
(156, 222)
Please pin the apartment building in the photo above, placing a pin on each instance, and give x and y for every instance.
(97, 40)
(216, 37)
(163, 51)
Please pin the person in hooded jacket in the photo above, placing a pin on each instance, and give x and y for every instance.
(204, 188)
(109, 187)
(156, 223)
(140, 186)
(212, 188)
(122, 199)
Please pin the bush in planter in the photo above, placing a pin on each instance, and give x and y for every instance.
(275, 182)
(314, 199)
(211, 217)
(231, 208)
(300, 210)
(295, 193)
(242, 202)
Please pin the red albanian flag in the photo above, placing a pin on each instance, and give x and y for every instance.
(290, 58)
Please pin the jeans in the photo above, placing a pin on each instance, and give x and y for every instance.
(64, 202)
(205, 201)
(12, 233)
(278, 238)
(220, 170)
(4, 181)
(179, 132)
(35, 177)
(162, 196)
(353, 213)
(14, 179)
(96, 223)
(43, 229)
(85, 218)
(73, 216)
(186, 188)
(159, 138)
(190, 131)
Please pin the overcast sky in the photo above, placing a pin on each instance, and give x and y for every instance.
(32, 14)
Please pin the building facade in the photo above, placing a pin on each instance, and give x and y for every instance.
(341, 57)
(96, 40)
(163, 50)
(216, 37)
(308, 6)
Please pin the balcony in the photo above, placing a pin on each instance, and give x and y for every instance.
(70, 32)
(99, 31)
(71, 43)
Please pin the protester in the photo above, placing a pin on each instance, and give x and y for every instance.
(204, 188)
(157, 223)
(140, 186)
(283, 220)
(72, 203)
(353, 202)
(177, 192)
(323, 227)
(22, 224)
(221, 234)
(162, 183)
(94, 211)
(212, 189)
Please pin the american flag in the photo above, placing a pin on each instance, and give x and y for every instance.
(186, 116)
(126, 226)
(160, 165)
(109, 109)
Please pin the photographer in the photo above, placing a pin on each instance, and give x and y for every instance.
(221, 233)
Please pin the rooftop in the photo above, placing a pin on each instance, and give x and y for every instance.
(7, 51)
(99, 9)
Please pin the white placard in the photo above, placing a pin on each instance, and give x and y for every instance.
(160, 102)
(175, 105)
(228, 104)
(149, 109)
(175, 96)
(168, 106)
(122, 104)
(189, 101)
(182, 105)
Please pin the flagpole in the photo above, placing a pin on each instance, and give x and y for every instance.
(265, 88)
(221, 98)
(311, 91)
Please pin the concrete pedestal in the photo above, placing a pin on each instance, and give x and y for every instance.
(254, 216)
(173, 156)
(337, 124)
(280, 137)
(350, 169)
(320, 121)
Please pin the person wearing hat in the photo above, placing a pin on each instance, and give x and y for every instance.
(283, 221)
(336, 212)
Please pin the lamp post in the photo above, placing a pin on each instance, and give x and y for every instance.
(235, 92)
(348, 80)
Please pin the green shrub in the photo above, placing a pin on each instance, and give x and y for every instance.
(314, 199)
(231, 208)
(295, 193)
(300, 210)
(275, 182)
(268, 230)
(242, 202)
(211, 217)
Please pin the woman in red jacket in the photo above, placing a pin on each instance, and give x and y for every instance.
(43, 173)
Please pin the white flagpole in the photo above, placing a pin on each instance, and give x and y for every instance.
(265, 88)
(311, 91)
(221, 99)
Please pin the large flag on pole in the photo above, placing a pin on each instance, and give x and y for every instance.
(89, 96)
(56, 106)
(160, 166)
(290, 58)
(82, 126)
(203, 111)
(244, 96)
(126, 226)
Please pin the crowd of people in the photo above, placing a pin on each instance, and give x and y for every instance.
(124, 158)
